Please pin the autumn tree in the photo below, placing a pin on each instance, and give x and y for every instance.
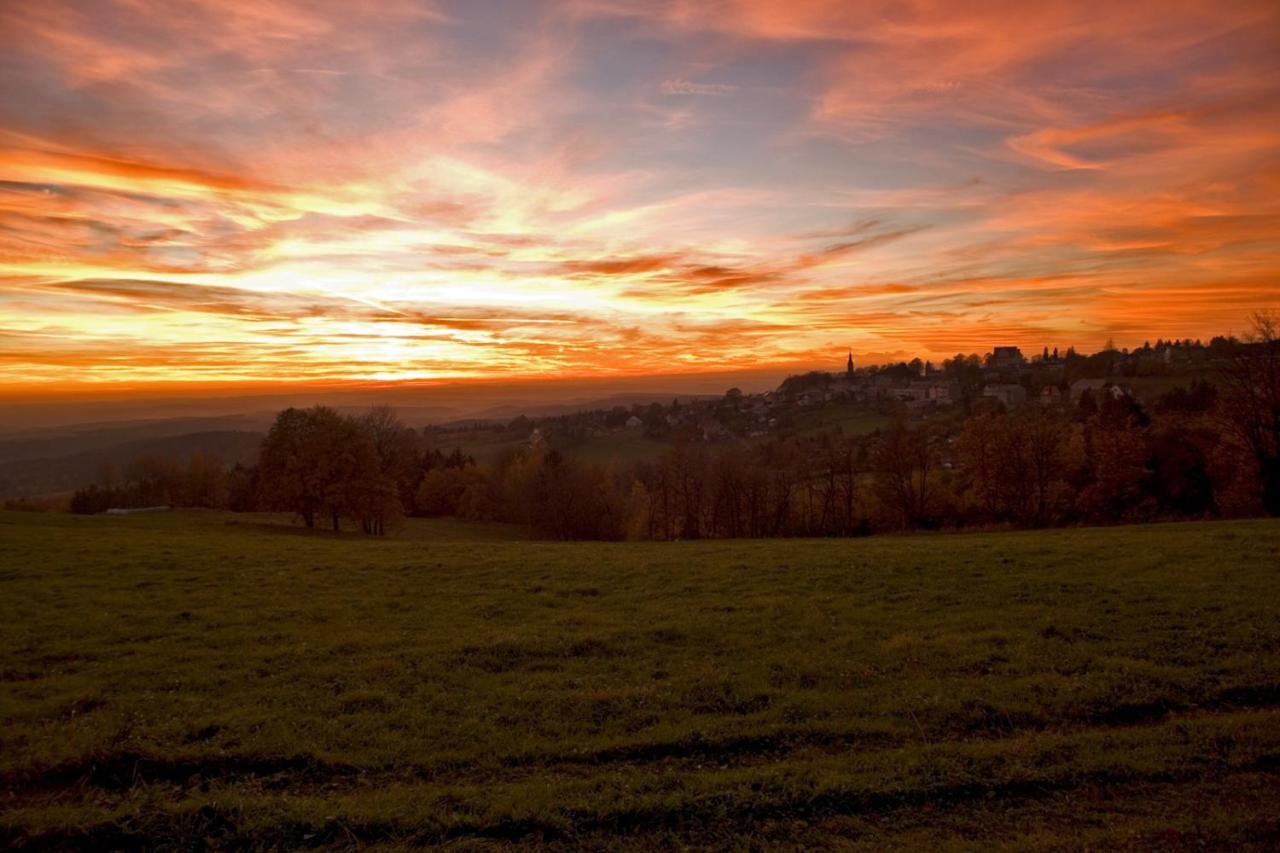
(905, 474)
(396, 447)
(980, 449)
(1116, 451)
(316, 462)
(294, 461)
(1250, 405)
(204, 482)
(1044, 463)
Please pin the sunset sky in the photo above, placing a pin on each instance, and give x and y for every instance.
(249, 191)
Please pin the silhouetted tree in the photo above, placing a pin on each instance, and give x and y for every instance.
(315, 461)
(1251, 402)
(904, 466)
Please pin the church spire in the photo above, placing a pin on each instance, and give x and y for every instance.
(848, 370)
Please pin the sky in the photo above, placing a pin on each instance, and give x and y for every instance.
(223, 193)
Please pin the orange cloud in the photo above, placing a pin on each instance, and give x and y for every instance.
(286, 191)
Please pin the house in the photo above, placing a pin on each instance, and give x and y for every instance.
(1009, 395)
(1002, 357)
(713, 430)
(1051, 395)
(1093, 386)
(942, 393)
(916, 390)
(921, 393)
(634, 423)
(813, 396)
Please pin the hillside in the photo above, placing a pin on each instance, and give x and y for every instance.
(189, 676)
(35, 475)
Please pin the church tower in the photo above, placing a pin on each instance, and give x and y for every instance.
(848, 369)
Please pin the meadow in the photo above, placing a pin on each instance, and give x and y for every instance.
(202, 679)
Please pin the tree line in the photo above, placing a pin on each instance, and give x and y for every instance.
(1203, 450)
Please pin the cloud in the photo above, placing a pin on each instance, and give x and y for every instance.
(685, 87)
(277, 190)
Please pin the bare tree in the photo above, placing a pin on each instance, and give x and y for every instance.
(905, 474)
(1045, 462)
(1250, 404)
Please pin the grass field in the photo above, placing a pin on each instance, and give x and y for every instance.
(849, 418)
(619, 448)
(170, 680)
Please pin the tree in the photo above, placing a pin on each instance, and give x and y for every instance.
(1117, 457)
(316, 461)
(574, 501)
(354, 484)
(1014, 464)
(966, 373)
(1250, 405)
(242, 489)
(293, 462)
(155, 481)
(442, 489)
(904, 465)
(1045, 465)
(205, 483)
(1180, 454)
(980, 449)
(396, 446)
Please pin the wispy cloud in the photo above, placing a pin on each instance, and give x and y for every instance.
(244, 191)
(685, 87)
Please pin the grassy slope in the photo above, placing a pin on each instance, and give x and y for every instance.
(851, 418)
(176, 676)
(622, 448)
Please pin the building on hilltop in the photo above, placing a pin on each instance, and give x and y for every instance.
(1002, 357)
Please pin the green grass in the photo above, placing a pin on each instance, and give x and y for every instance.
(852, 419)
(624, 447)
(619, 447)
(171, 678)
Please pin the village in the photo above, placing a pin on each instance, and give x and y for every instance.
(862, 399)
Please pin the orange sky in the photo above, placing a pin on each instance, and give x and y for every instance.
(261, 191)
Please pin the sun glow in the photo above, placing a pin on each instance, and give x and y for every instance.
(431, 192)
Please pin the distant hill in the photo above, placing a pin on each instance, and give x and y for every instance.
(55, 473)
(18, 445)
(39, 462)
(626, 401)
